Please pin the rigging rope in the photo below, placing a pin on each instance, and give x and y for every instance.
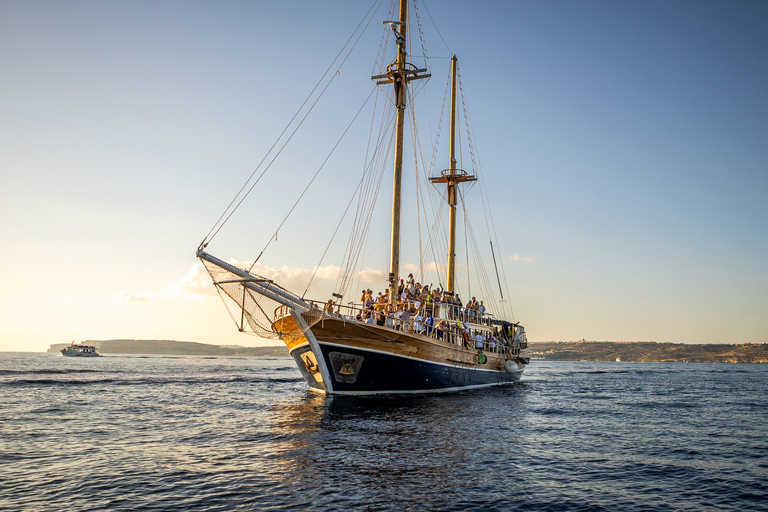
(314, 177)
(219, 223)
(359, 234)
(485, 199)
(435, 25)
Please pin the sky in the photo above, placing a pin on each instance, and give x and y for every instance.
(626, 144)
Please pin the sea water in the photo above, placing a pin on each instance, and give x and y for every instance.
(244, 433)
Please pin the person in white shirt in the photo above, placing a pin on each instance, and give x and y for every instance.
(479, 339)
(417, 327)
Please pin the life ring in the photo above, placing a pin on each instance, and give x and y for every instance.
(481, 359)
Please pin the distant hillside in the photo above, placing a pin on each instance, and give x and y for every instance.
(648, 352)
(169, 347)
(549, 350)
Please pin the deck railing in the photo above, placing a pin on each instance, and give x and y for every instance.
(481, 326)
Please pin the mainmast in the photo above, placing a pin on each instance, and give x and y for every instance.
(398, 73)
(451, 177)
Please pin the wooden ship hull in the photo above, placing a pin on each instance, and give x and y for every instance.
(349, 357)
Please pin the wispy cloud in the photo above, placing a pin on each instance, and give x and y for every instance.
(526, 259)
(126, 296)
(196, 285)
(373, 276)
(193, 286)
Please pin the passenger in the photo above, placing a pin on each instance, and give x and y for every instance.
(473, 308)
(465, 334)
(368, 304)
(410, 285)
(479, 340)
(442, 328)
(429, 323)
(481, 309)
(329, 307)
(417, 319)
(405, 316)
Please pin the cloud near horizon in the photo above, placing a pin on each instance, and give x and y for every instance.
(196, 285)
(126, 296)
(526, 259)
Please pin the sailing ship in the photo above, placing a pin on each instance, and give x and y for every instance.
(415, 339)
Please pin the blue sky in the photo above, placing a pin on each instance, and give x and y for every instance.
(627, 141)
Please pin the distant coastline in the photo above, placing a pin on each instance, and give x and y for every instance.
(626, 351)
(648, 351)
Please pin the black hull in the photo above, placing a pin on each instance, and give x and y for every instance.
(367, 372)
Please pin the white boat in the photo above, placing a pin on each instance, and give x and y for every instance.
(80, 351)
(420, 340)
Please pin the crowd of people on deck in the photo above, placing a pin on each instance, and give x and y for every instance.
(412, 295)
(416, 309)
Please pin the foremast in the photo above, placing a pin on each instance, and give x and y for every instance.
(399, 73)
(452, 176)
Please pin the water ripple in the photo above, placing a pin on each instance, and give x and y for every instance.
(169, 433)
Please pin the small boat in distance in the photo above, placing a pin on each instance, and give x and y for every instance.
(80, 351)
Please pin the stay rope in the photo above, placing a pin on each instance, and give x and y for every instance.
(317, 173)
(225, 216)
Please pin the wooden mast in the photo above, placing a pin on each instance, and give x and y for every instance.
(452, 186)
(452, 176)
(400, 99)
(398, 73)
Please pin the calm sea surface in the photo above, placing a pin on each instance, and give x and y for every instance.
(201, 433)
